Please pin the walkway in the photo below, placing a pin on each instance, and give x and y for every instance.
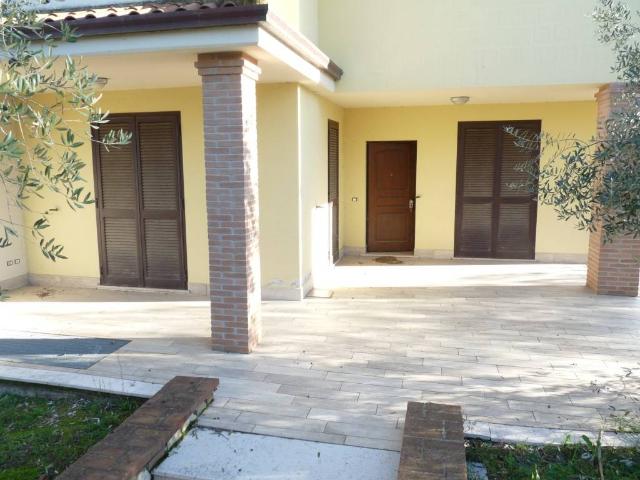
(518, 345)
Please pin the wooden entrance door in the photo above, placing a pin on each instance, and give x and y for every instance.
(140, 209)
(494, 217)
(391, 195)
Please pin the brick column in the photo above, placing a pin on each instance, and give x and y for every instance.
(612, 267)
(231, 161)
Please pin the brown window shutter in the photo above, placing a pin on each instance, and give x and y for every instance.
(140, 204)
(334, 187)
(117, 210)
(495, 211)
(479, 151)
(161, 202)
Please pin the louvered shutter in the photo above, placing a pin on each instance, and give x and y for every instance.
(161, 203)
(516, 223)
(334, 187)
(479, 151)
(117, 208)
(140, 210)
(495, 217)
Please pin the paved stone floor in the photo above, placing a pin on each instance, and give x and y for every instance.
(514, 344)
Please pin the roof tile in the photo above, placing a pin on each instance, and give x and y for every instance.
(143, 9)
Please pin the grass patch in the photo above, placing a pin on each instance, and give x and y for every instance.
(563, 462)
(40, 437)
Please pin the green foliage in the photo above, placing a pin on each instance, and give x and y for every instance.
(596, 182)
(48, 110)
(42, 437)
(587, 460)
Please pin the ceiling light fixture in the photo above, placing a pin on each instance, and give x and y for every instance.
(459, 100)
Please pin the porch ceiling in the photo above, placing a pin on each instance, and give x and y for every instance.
(176, 69)
(479, 95)
(154, 49)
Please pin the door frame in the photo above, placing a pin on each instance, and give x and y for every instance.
(367, 193)
(182, 242)
(533, 208)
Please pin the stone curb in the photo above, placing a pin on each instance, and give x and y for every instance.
(80, 381)
(501, 433)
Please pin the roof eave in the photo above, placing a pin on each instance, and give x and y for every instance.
(205, 18)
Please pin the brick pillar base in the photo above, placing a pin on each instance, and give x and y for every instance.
(613, 268)
(231, 161)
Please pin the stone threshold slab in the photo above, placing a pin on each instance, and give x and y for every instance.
(206, 454)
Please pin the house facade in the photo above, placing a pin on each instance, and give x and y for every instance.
(271, 139)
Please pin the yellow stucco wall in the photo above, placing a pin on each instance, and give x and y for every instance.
(435, 44)
(315, 113)
(279, 172)
(435, 129)
(292, 146)
(292, 125)
(299, 14)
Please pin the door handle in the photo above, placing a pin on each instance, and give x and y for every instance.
(411, 204)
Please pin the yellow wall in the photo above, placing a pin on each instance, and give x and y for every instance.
(435, 44)
(279, 172)
(292, 125)
(435, 129)
(292, 152)
(299, 14)
(315, 113)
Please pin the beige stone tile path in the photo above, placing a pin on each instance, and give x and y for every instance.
(514, 344)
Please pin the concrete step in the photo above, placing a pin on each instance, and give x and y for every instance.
(207, 454)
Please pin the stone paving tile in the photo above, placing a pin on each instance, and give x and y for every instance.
(393, 445)
(208, 422)
(300, 435)
(364, 430)
(366, 408)
(390, 420)
(257, 407)
(282, 421)
(319, 393)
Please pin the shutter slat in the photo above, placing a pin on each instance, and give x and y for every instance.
(513, 231)
(158, 164)
(512, 179)
(480, 149)
(117, 170)
(120, 238)
(476, 229)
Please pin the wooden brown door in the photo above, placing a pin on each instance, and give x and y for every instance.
(391, 195)
(334, 187)
(495, 217)
(139, 192)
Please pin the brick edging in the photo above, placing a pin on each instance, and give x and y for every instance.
(143, 439)
(433, 443)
